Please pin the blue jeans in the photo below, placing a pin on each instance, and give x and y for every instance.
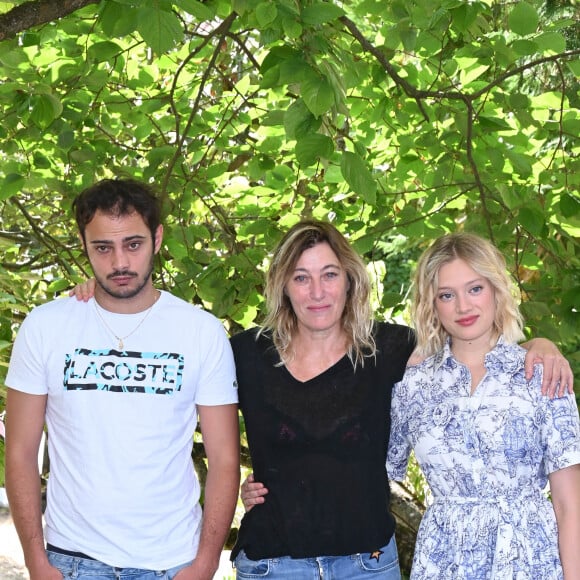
(74, 567)
(382, 564)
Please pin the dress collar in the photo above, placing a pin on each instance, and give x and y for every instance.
(502, 355)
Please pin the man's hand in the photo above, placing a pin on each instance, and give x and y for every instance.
(252, 492)
(44, 571)
(197, 570)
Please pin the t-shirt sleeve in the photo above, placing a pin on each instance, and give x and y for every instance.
(217, 384)
(26, 372)
(560, 432)
(399, 442)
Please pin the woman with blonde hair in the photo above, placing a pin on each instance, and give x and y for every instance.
(486, 438)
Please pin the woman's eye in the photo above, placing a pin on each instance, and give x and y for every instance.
(445, 297)
(476, 289)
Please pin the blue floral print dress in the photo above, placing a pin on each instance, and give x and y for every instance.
(486, 458)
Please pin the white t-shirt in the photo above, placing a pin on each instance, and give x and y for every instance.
(122, 488)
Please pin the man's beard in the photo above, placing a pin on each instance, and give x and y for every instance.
(130, 293)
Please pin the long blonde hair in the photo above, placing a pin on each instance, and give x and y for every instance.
(281, 321)
(483, 257)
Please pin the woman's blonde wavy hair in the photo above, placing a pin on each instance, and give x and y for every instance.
(281, 322)
(483, 257)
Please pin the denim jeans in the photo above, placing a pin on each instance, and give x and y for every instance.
(83, 569)
(382, 564)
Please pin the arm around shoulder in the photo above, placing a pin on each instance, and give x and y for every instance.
(557, 378)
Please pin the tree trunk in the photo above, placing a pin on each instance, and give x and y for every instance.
(408, 514)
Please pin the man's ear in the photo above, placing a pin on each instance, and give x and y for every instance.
(158, 238)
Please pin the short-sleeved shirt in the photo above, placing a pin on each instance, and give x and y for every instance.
(122, 488)
(486, 457)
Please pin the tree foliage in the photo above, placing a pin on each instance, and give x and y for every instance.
(398, 120)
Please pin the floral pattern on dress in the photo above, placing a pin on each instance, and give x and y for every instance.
(486, 457)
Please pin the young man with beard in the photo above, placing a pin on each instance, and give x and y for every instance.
(120, 382)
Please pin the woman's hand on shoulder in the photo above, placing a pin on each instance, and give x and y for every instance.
(252, 492)
(84, 291)
(557, 375)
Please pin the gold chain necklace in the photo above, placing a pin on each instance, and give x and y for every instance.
(120, 339)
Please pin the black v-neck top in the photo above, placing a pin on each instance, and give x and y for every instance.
(320, 447)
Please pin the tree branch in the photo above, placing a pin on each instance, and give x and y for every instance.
(36, 13)
(366, 45)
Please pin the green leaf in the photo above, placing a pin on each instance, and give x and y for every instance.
(311, 148)
(12, 57)
(523, 19)
(292, 28)
(317, 94)
(176, 248)
(117, 20)
(391, 299)
(58, 285)
(293, 70)
(358, 176)
(30, 39)
(201, 11)
(521, 163)
(12, 185)
(270, 78)
(525, 47)
(160, 30)
(40, 160)
(574, 66)
(552, 42)
(320, 13)
(408, 37)
(299, 121)
(493, 123)
(45, 110)
(104, 51)
(282, 65)
(266, 13)
(466, 77)
(571, 125)
(535, 309)
(519, 101)
(532, 219)
(569, 205)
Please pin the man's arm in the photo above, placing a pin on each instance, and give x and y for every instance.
(565, 488)
(24, 427)
(221, 439)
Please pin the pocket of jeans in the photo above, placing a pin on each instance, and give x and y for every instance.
(383, 559)
(246, 568)
(63, 564)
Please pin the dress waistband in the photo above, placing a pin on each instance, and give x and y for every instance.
(502, 500)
